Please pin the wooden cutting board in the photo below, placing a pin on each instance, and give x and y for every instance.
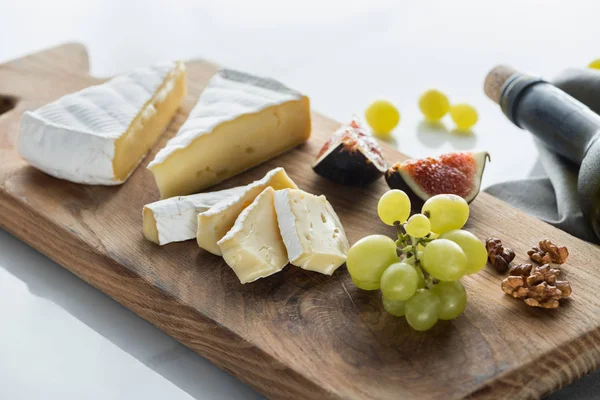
(296, 334)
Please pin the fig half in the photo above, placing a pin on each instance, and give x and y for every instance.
(453, 173)
(351, 157)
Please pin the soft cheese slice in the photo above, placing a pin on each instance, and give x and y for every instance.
(253, 248)
(100, 134)
(176, 219)
(239, 121)
(214, 223)
(311, 230)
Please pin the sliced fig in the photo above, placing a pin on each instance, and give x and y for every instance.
(351, 157)
(455, 173)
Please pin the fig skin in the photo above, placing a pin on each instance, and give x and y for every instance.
(395, 180)
(348, 167)
(351, 157)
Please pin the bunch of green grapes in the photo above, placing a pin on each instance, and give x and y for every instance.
(419, 273)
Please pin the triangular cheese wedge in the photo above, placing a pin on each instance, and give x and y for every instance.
(311, 230)
(253, 248)
(239, 121)
(100, 134)
(176, 219)
(214, 223)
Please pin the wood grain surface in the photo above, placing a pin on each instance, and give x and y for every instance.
(297, 334)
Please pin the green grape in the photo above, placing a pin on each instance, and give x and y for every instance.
(464, 116)
(444, 260)
(368, 258)
(394, 206)
(422, 310)
(382, 116)
(394, 307)
(453, 299)
(434, 105)
(446, 212)
(473, 248)
(418, 226)
(594, 64)
(399, 281)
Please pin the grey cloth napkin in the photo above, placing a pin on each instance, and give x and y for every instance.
(553, 198)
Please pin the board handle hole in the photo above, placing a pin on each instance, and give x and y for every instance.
(7, 103)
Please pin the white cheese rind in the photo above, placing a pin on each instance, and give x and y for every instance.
(253, 247)
(229, 94)
(214, 223)
(51, 148)
(239, 121)
(176, 218)
(311, 230)
(74, 137)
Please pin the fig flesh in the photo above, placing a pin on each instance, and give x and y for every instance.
(452, 173)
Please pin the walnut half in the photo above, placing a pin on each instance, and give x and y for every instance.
(547, 252)
(500, 257)
(537, 287)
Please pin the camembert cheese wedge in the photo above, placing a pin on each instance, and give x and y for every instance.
(311, 230)
(253, 248)
(176, 219)
(240, 121)
(216, 222)
(100, 134)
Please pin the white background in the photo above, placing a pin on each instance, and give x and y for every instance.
(61, 339)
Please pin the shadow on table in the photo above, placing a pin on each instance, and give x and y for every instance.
(434, 134)
(175, 362)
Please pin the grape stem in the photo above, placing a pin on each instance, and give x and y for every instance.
(400, 228)
(415, 243)
(411, 250)
(429, 280)
(408, 250)
(402, 235)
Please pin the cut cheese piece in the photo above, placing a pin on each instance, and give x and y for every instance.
(176, 219)
(214, 223)
(239, 121)
(253, 248)
(100, 134)
(311, 230)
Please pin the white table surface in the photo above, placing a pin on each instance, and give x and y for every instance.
(62, 339)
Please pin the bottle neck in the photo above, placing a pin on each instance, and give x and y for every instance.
(564, 124)
(511, 91)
